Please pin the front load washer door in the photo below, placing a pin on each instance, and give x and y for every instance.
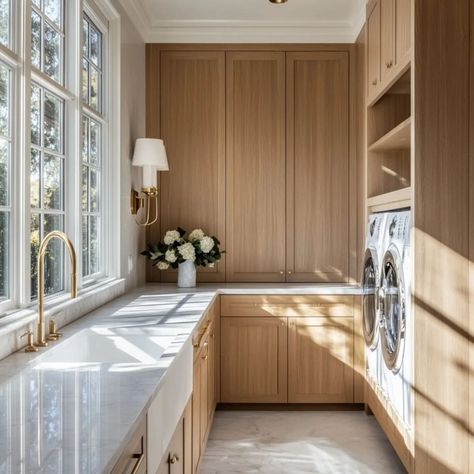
(393, 310)
(370, 288)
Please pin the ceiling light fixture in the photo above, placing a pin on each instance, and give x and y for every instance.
(278, 1)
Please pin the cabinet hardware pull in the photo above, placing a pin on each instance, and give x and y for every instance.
(139, 458)
(374, 82)
(282, 272)
(289, 272)
(204, 357)
(174, 459)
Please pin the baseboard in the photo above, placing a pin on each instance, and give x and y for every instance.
(292, 406)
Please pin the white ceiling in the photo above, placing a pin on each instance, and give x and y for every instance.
(246, 20)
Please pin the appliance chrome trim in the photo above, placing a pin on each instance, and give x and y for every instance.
(371, 337)
(393, 358)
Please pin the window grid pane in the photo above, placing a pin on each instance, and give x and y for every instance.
(47, 186)
(5, 179)
(5, 23)
(47, 38)
(92, 50)
(90, 198)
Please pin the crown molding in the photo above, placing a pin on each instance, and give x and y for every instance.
(239, 31)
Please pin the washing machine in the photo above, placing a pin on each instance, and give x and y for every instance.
(376, 237)
(396, 332)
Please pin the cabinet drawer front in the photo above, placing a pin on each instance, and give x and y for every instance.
(283, 306)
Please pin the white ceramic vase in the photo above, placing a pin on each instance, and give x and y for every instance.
(187, 275)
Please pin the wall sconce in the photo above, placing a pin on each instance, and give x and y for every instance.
(149, 154)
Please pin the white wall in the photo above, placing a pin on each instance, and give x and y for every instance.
(132, 264)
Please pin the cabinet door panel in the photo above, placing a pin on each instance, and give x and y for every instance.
(204, 417)
(403, 35)
(373, 50)
(196, 416)
(253, 360)
(318, 167)
(320, 360)
(193, 128)
(387, 34)
(256, 166)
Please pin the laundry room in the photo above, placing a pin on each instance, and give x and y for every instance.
(236, 236)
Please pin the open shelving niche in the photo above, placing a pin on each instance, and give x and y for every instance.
(389, 133)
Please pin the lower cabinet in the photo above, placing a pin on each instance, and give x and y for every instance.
(205, 388)
(253, 359)
(133, 459)
(277, 352)
(174, 461)
(320, 360)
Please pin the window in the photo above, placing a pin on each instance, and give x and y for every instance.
(92, 122)
(47, 184)
(5, 179)
(47, 37)
(55, 143)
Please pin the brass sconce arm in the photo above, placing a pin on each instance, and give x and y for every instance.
(143, 200)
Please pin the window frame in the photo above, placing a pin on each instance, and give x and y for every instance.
(23, 74)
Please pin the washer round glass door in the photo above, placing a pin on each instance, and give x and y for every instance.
(370, 287)
(393, 317)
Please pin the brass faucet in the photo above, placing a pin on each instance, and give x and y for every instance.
(41, 333)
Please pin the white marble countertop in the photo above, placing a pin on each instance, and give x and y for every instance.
(77, 417)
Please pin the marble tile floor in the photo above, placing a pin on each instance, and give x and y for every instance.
(292, 442)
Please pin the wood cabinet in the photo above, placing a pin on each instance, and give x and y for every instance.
(205, 383)
(373, 47)
(253, 359)
(133, 458)
(193, 128)
(389, 43)
(318, 137)
(256, 183)
(174, 461)
(320, 360)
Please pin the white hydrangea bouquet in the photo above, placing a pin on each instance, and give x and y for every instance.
(185, 253)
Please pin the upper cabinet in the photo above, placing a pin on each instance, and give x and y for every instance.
(256, 166)
(193, 128)
(318, 167)
(373, 48)
(389, 40)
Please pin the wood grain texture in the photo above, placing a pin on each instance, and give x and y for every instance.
(387, 38)
(254, 360)
(441, 188)
(320, 360)
(361, 146)
(373, 48)
(193, 128)
(256, 194)
(318, 136)
(403, 32)
(287, 306)
(471, 251)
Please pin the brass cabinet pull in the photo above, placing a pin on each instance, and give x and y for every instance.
(205, 357)
(139, 458)
(282, 272)
(374, 82)
(174, 459)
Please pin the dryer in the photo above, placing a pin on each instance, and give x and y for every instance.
(371, 277)
(396, 333)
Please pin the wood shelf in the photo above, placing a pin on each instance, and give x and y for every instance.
(389, 201)
(398, 138)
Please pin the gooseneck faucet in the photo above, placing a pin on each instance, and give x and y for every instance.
(41, 332)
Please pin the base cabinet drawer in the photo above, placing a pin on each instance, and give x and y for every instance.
(253, 360)
(133, 459)
(320, 360)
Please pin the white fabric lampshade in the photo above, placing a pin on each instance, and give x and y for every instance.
(150, 152)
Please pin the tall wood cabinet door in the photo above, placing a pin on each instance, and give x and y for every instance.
(256, 166)
(204, 416)
(318, 166)
(387, 37)
(373, 48)
(211, 390)
(254, 360)
(193, 129)
(320, 360)
(403, 33)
